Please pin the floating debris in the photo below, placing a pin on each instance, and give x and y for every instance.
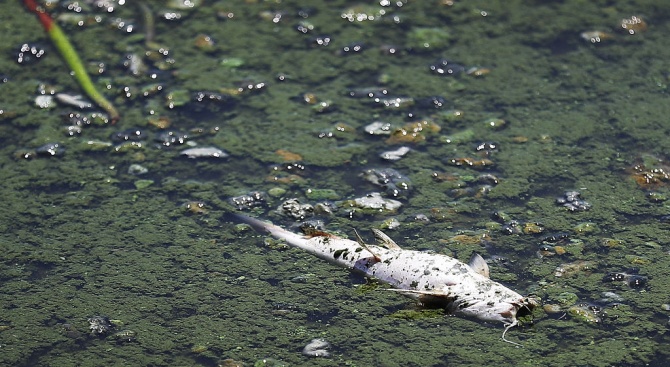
(395, 102)
(128, 135)
(633, 25)
(391, 224)
(134, 63)
(574, 268)
(183, 4)
(304, 27)
(352, 49)
(369, 92)
(478, 71)
(339, 130)
(248, 201)
(631, 278)
(596, 36)
(573, 202)
(73, 130)
(293, 209)
(169, 138)
(650, 177)
(394, 155)
(319, 41)
(45, 101)
(137, 169)
(317, 348)
(434, 102)
(487, 148)
(29, 53)
(97, 145)
(378, 128)
(125, 336)
(374, 202)
(312, 228)
(390, 179)
(129, 146)
(552, 308)
(50, 150)
(611, 297)
(204, 42)
(586, 313)
(446, 67)
(288, 156)
(471, 162)
(413, 132)
(556, 237)
(195, 207)
(496, 123)
(100, 325)
(363, 13)
(204, 152)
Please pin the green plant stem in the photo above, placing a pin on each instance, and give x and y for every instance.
(72, 59)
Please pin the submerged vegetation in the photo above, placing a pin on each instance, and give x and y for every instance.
(532, 134)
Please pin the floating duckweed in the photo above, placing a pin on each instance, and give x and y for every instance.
(390, 223)
(566, 299)
(183, 4)
(450, 115)
(277, 192)
(428, 37)
(532, 228)
(657, 197)
(586, 227)
(418, 314)
(638, 260)
(270, 362)
(129, 146)
(611, 243)
(177, 98)
(96, 145)
(232, 62)
(496, 124)
(362, 13)
(459, 137)
(197, 349)
(582, 313)
(322, 194)
(552, 308)
(125, 335)
(143, 184)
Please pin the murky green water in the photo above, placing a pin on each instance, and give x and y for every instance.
(82, 237)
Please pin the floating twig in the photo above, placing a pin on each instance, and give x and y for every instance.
(72, 59)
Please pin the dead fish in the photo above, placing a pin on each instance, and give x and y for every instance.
(430, 278)
(204, 152)
(74, 100)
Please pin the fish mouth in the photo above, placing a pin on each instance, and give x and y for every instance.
(526, 306)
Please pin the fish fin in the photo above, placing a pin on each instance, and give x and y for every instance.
(365, 246)
(385, 240)
(479, 265)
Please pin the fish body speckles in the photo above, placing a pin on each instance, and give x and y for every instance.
(427, 277)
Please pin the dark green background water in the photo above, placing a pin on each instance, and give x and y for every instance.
(82, 237)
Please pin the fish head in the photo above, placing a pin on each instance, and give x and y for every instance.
(505, 310)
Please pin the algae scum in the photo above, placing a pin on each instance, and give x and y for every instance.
(535, 135)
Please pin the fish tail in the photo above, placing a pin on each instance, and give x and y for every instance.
(276, 231)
